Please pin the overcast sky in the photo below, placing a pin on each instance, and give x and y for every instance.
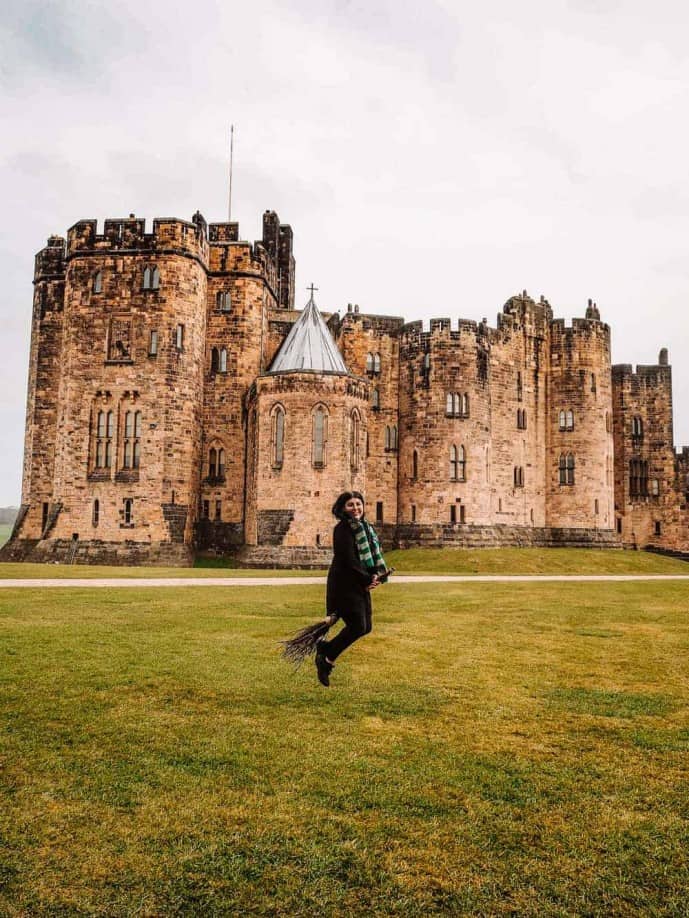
(433, 158)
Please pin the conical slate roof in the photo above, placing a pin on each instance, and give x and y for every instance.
(309, 346)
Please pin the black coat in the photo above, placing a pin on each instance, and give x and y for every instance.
(347, 578)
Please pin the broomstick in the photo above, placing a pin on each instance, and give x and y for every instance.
(303, 643)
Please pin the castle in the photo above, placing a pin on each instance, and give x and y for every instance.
(177, 401)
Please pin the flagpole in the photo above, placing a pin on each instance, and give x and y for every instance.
(229, 200)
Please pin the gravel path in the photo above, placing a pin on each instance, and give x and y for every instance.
(312, 581)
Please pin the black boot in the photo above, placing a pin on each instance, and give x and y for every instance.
(323, 667)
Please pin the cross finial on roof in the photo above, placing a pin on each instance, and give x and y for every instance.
(312, 288)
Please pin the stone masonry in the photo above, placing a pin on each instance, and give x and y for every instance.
(155, 426)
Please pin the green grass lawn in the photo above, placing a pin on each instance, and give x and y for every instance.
(517, 749)
(409, 561)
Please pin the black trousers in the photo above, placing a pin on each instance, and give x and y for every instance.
(357, 624)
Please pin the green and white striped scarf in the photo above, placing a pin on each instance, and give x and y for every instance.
(367, 545)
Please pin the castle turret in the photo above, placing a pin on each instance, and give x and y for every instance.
(307, 437)
(579, 457)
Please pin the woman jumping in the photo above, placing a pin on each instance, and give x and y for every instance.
(357, 568)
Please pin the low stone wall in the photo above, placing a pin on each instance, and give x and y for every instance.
(284, 556)
(121, 554)
(466, 536)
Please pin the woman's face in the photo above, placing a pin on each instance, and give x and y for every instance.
(354, 507)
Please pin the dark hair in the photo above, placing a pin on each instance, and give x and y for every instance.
(338, 506)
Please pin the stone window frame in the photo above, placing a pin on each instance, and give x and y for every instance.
(178, 337)
(216, 462)
(457, 405)
(638, 478)
(566, 469)
(391, 438)
(97, 285)
(655, 487)
(278, 417)
(566, 420)
(373, 363)
(637, 427)
(153, 343)
(223, 301)
(150, 279)
(355, 439)
(103, 437)
(518, 476)
(521, 418)
(127, 513)
(319, 435)
(375, 399)
(132, 425)
(458, 463)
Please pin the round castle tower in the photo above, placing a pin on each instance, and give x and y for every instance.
(306, 443)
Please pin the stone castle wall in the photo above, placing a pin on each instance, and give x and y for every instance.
(459, 433)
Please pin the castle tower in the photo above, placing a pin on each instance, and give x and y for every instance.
(579, 451)
(243, 290)
(306, 441)
(646, 492)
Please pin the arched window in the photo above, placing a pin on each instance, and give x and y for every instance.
(375, 398)
(278, 436)
(415, 464)
(222, 366)
(146, 284)
(105, 430)
(355, 423)
(465, 405)
(155, 278)
(562, 466)
(453, 463)
(395, 443)
(215, 359)
(450, 404)
(563, 420)
(131, 448)
(212, 462)
(369, 363)
(221, 462)
(637, 427)
(462, 464)
(570, 420)
(376, 363)
(98, 282)
(320, 436)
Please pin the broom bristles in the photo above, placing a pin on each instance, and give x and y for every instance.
(303, 643)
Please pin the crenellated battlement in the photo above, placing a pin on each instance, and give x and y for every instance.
(643, 375)
(50, 261)
(129, 236)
